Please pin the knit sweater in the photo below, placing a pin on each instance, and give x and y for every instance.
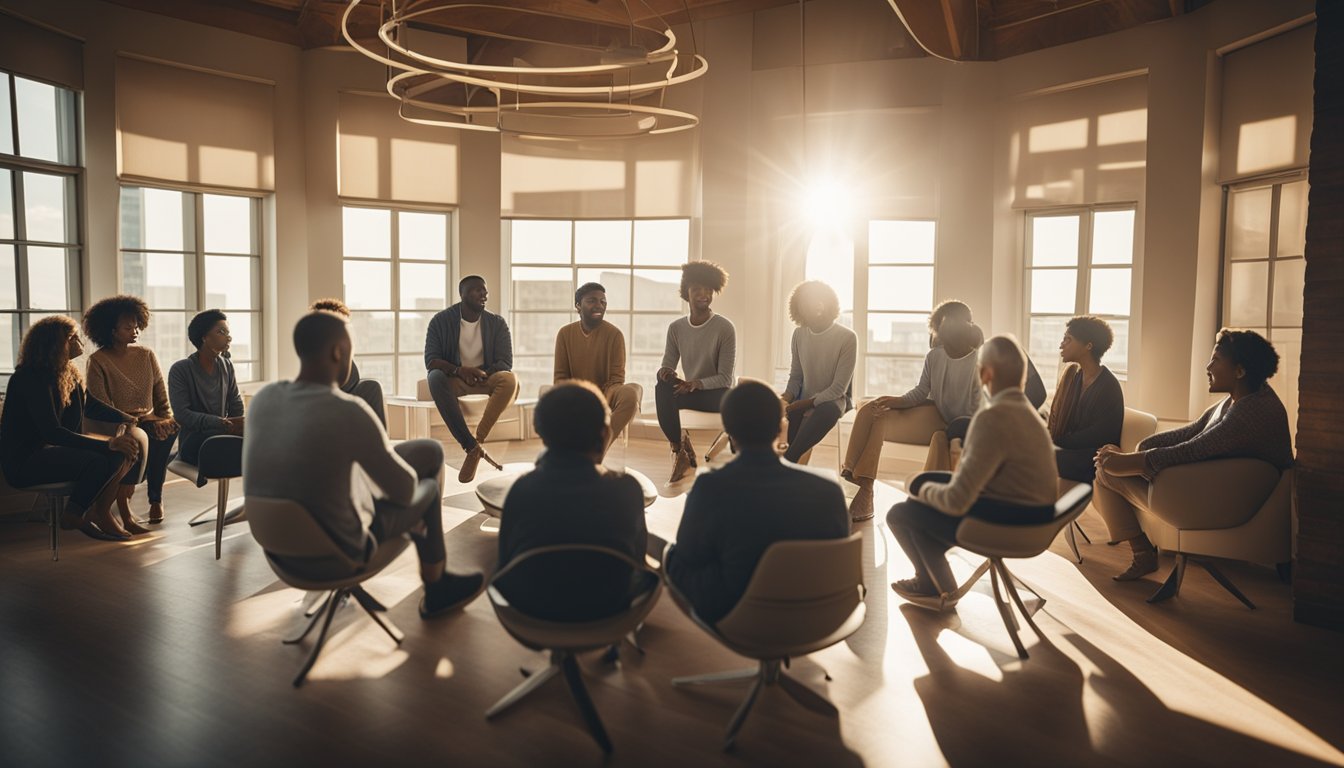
(597, 357)
(1007, 457)
(823, 365)
(951, 383)
(707, 352)
(134, 384)
(1254, 427)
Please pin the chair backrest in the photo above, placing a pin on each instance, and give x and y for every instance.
(1137, 426)
(221, 456)
(1023, 540)
(801, 591)
(571, 583)
(285, 529)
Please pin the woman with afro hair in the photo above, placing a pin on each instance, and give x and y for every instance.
(821, 372)
(127, 376)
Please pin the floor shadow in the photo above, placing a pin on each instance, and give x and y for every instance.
(1035, 714)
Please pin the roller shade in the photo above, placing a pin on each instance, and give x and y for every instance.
(183, 125)
(40, 53)
(383, 157)
(1267, 105)
(1082, 145)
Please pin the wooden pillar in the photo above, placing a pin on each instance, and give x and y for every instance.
(1318, 588)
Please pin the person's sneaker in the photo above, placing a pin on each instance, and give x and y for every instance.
(918, 593)
(449, 593)
(682, 464)
(861, 508)
(1145, 562)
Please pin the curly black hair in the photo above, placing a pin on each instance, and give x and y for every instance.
(1252, 352)
(100, 321)
(705, 273)
(815, 289)
(1088, 329)
(331, 305)
(943, 309)
(201, 325)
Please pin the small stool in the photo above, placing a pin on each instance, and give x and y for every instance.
(493, 492)
(56, 494)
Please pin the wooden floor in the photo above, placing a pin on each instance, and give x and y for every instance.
(153, 653)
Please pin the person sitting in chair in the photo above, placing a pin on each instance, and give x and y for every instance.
(706, 345)
(1249, 423)
(368, 390)
(735, 513)
(1089, 407)
(203, 389)
(305, 438)
(570, 498)
(593, 350)
(821, 371)
(468, 351)
(42, 438)
(1006, 476)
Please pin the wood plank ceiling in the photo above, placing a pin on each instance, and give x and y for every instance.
(966, 30)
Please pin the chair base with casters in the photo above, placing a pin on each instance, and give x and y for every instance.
(1253, 498)
(56, 494)
(221, 459)
(565, 639)
(804, 596)
(997, 542)
(301, 553)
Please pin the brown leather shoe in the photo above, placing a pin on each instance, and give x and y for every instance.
(1145, 562)
(472, 461)
(682, 464)
(861, 508)
(687, 448)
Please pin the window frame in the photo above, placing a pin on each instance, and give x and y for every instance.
(75, 173)
(194, 259)
(1084, 268)
(862, 311)
(509, 302)
(395, 260)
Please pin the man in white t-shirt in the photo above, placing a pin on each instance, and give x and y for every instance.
(468, 351)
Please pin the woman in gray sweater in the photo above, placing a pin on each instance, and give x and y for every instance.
(822, 370)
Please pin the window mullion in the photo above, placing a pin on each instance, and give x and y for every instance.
(1083, 289)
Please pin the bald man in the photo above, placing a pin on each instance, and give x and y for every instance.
(308, 436)
(1006, 476)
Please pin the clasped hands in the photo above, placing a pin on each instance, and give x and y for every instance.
(471, 375)
(1116, 463)
(679, 385)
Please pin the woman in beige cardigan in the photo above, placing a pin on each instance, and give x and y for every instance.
(127, 377)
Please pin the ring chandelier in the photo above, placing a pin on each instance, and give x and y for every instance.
(621, 95)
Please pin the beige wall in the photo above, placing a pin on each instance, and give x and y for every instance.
(910, 136)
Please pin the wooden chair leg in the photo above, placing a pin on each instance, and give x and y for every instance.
(574, 678)
(55, 507)
(321, 638)
(743, 710)
(1017, 599)
(1009, 622)
(1073, 544)
(221, 508)
(1224, 581)
(1172, 586)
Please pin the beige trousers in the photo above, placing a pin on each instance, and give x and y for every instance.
(916, 426)
(502, 387)
(624, 401)
(1115, 499)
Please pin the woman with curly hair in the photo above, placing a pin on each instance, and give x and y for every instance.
(128, 377)
(822, 370)
(1249, 423)
(42, 436)
(706, 346)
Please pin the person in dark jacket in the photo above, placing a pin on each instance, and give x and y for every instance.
(368, 390)
(42, 436)
(1089, 407)
(468, 351)
(735, 513)
(571, 499)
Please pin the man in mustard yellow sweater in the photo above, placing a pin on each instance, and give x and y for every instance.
(593, 350)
